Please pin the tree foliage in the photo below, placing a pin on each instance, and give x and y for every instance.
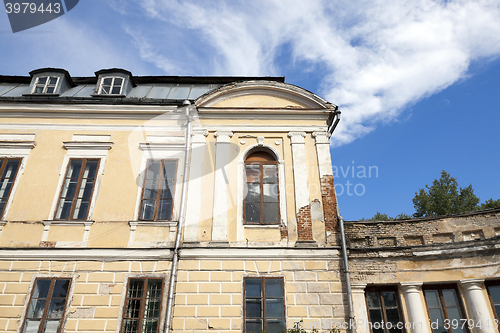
(490, 203)
(444, 197)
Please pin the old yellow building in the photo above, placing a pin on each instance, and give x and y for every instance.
(207, 204)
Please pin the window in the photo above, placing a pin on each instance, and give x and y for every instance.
(443, 304)
(494, 294)
(8, 172)
(383, 307)
(45, 85)
(264, 307)
(142, 306)
(261, 201)
(158, 190)
(47, 306)
(111, 86)
(77, 189)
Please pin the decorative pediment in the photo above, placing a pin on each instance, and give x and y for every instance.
(262, 94)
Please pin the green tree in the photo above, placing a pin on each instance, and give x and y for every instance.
(380, 217)
(444, 197)
(403, 216)
(490, 203)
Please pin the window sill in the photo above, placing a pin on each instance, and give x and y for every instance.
(40, 95)
(265, 226)
(153, 223)
(68, 222)
(108, 95)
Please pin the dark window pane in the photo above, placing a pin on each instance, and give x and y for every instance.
(130, 325)
(107, 81)
(389, 298)
(115, 90)
(91, 169)
(53, 80)
(135, 288)
(495, 293)
(375, 316)
(167, 185)
(497, 310)
(50, 90)
(450, 297)
(271, 212)
(275, 308)
(74, 168)
(56, 308)
(42, 80)
(60, 288)
(392, 315)
(253, 326)
(39, 89)
(42, 287)
(252, 212)
(154, 288)
(432, 298)
(118, 81)
(253, 308)
(147, 209)
(454, 313)
(149, 325)
(86, 188)
(152, 308)
(436, 314)
(253, 288)
(81, 209)
(373, 300)
(274, 287)
(36, 308)
(133, 308)
(275, 326)
(165, 210)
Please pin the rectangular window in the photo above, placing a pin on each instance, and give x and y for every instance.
(111, 86)
(158, 190)
(45, 85)
(443, 303)
(76, 192)
(47, 306)
(383, 307)
(142, 306)
(264, 306)
(494, 294)
(8, 171)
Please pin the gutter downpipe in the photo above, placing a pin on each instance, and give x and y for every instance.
(180, 225)
(346, 269)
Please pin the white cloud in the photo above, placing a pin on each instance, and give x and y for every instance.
(376, 56)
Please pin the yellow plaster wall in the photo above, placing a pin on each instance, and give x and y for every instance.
(104, 234)
(151, 234)
(65, 233)
(21, 234)
(255, 100)
(38, 185)
(262, 234)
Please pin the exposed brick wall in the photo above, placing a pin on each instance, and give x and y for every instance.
(304, 224)
(329, 202)
(283, 232)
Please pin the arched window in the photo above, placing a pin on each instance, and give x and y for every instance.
(261, 204)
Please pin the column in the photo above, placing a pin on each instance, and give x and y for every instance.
(221, 186)
(416, 313)
(478, 308)
(359, 304)
(302, 198)
(195, 194)
(328, 195)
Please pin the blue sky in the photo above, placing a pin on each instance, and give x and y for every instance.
(416, 80)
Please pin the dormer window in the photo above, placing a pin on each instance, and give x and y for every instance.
(45, 85)
(111, 86)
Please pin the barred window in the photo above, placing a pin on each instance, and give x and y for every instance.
(47, 306)
(142, 306)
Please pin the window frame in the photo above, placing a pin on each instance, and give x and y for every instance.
(47, 303)
(380, 290)
(77, 189)
(261, 188)
(492, 283)
(263, 298)
(143, 298)
(45, 85)
(100, 90)
(439, 288)
(3, 165)
(158, 194)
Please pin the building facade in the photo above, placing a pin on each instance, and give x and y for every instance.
(207, 204)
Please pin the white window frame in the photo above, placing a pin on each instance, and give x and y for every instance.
(82, 149)
(241, 190)
(15, 146)
(45, 85)
(100, 91)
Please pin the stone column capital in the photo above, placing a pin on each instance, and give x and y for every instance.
(472, 284)
(223, 136)
(321, 137)
(199, 135)
(411, 287)
(297, 137)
